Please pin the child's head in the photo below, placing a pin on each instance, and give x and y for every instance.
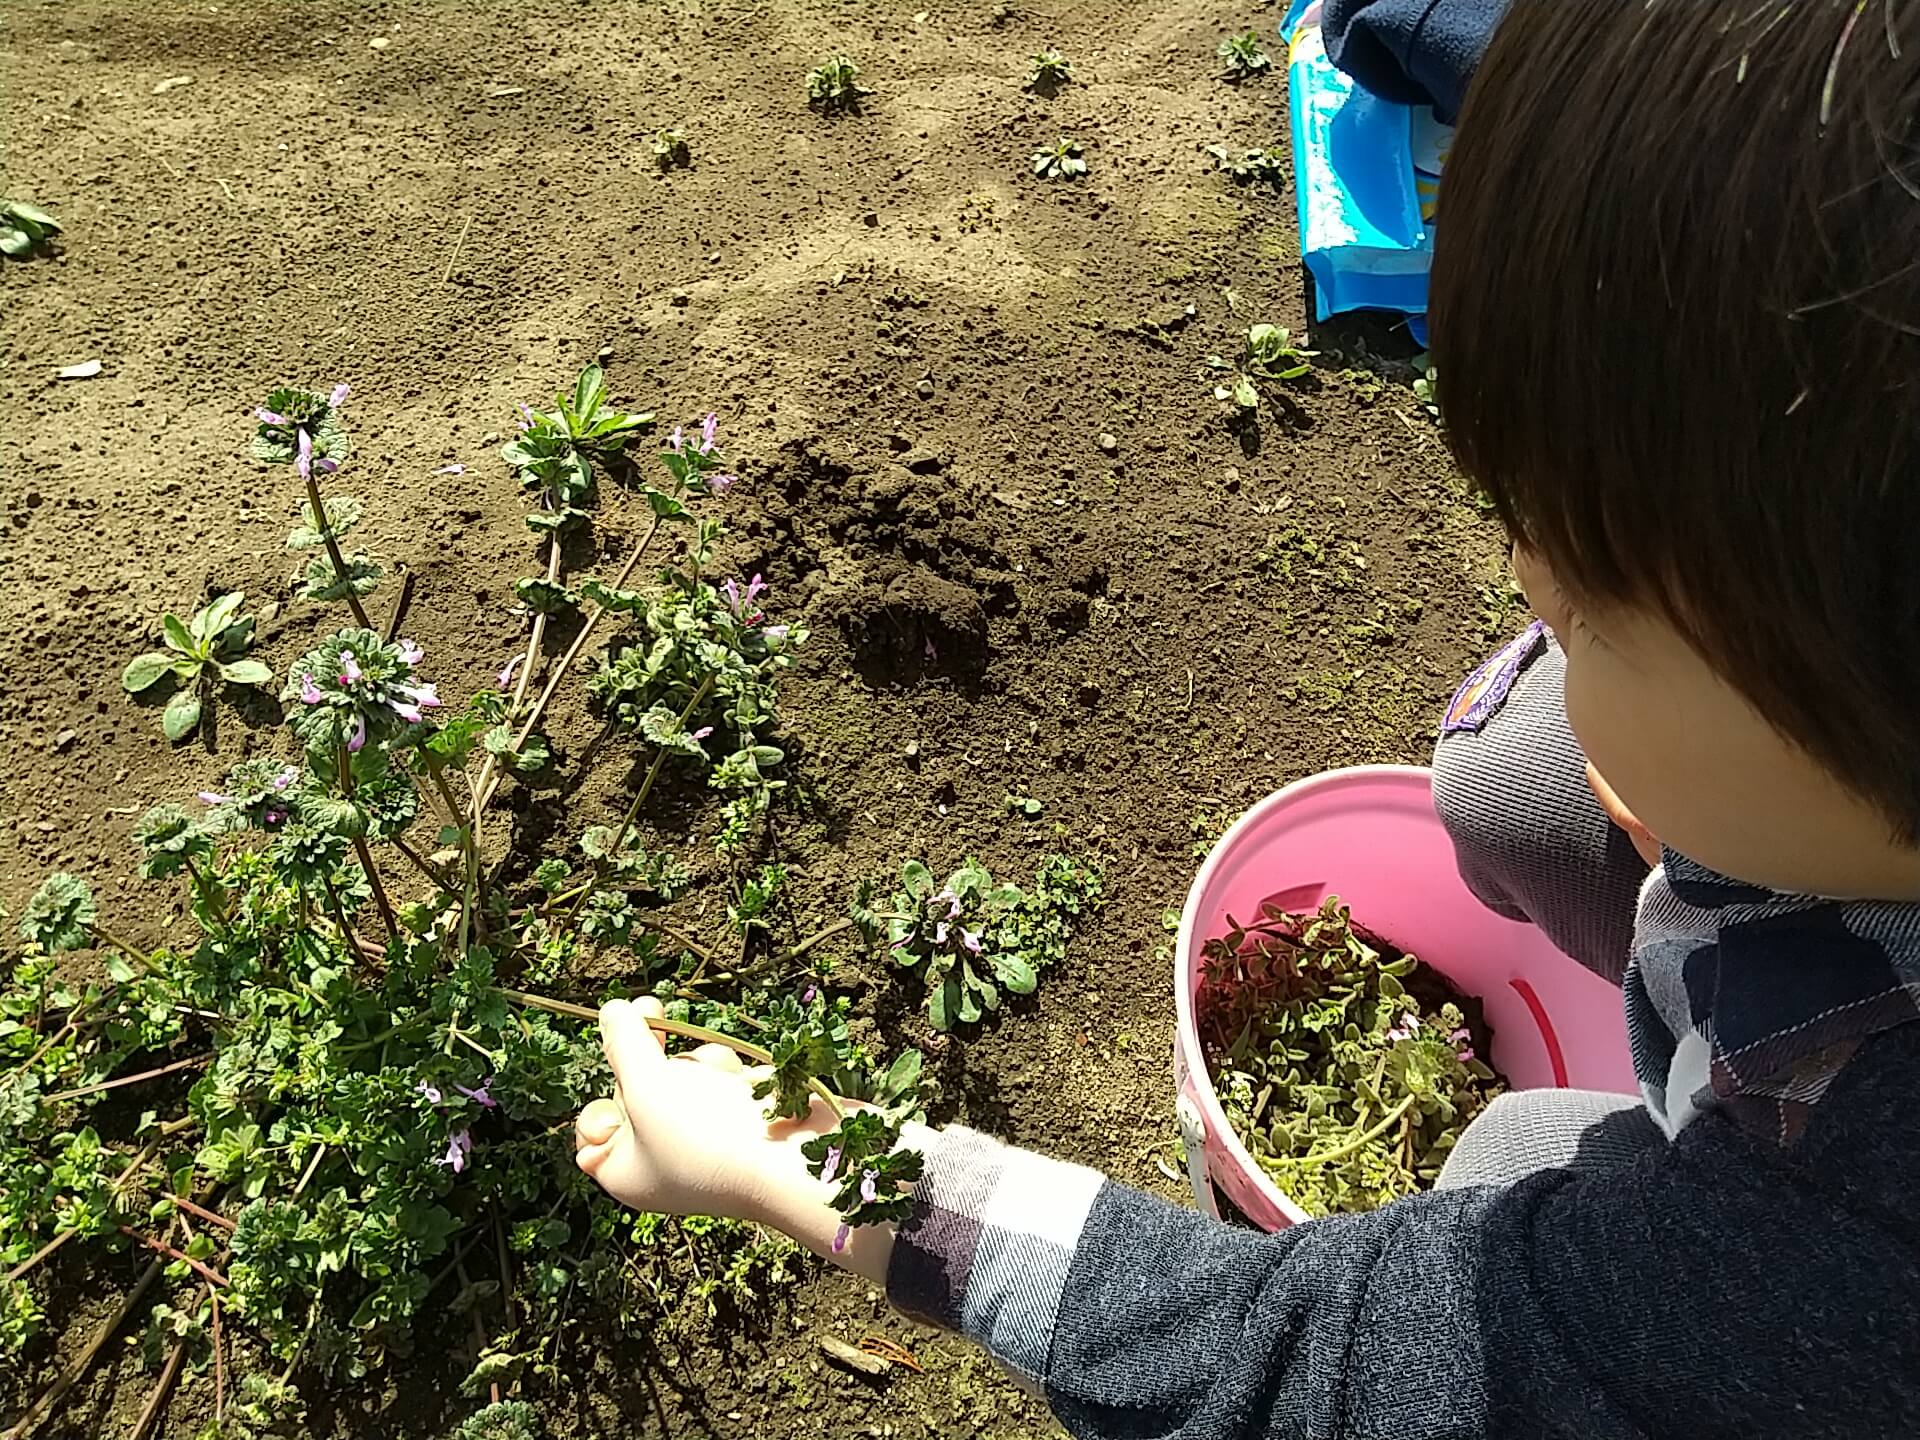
(1676, 319)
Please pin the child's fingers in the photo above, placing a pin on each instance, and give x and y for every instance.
(632, 1050)
(598, 1124)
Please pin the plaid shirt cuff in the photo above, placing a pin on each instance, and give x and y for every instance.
(988, 1245)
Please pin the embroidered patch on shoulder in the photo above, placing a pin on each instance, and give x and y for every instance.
(1486, 689)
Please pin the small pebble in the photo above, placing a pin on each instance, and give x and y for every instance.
(924, 389)
(1109, 443)
(378, 42)
(913, 750)
(679, 297)
(64, 739)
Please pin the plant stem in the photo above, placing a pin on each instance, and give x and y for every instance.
(101, 933)
(205, 1214)
(151, 1149)
(486, 793)
(312, 1166)
(94, 1089)
(527, 664)
(675, 1027)
(425, 866)
(209, 897)
(83, 1362)
(365, 854)
(1342, 1151)
(333, 550)
(163, 1387)
(160, 1246)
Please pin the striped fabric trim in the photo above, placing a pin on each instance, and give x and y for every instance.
(987, 1247)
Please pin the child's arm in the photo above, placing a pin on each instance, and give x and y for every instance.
(1562, 1306)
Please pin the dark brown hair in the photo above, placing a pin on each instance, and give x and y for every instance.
(1676, 320)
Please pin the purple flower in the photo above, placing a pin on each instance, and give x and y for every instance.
(310, 692)
(326, 466)
(840, 1238)
(350, 671)
(427, 697)
(411, 654)
(1459, 1036)
(459, 1146)
(808, 995)
(732, 591)
(303, 453)
(707, 428)
(429, 1091)
(702, 732)
(274, 817)
(359, 736)
(721, 483)
(867, 1190)
(677, 441)
(1465, 1053)
(775, 633)
(940, 932)
(339, 395)
(950, 900)
(1409, 1023)
(526, 415)
(207, 797)
(287, 776)
(480, 1095)
(267, 417)
(932, 654)
(505, 677)
(831, 1168)
(756, 587)
(971, 940)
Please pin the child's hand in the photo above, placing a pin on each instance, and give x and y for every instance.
(686, 1135)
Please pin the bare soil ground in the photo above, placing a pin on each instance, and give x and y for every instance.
(916, 349)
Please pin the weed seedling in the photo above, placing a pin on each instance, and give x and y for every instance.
(1061, 161)
(1050, 71)
(214, 642)
(670, 149)
(1267, 355)
(1252, 167)
(1426, 389)
(24, 227)
(835, 85)
(1243, 56)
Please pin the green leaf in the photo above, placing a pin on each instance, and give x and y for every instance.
(33, 215)
(1244, 395)
(15, 242)
(178, 636)
(321, 583)
(246, 672)
(664, 505)
(60, 915)
(181, 715)
(1015, 973)
(944, 1004)
(216, 617)
(532, 755)
(588, 391)
(145, 671)
(544, 596)
(917, 879)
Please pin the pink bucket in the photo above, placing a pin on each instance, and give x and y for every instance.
(1370, 836)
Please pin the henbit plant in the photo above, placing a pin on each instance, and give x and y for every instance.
(1050, 71)
(1348, 1072)
(302, 428)
(1243, 56)
(1061, 161)
(365, 1114)
(670, 149)
(24, 227)
(1253, 167)
(214, 642)
(1267, 355)
(975, 938)
(834, 84)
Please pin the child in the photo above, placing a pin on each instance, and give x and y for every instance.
(1676, 314)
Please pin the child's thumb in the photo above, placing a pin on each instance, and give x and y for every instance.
(631, 1048)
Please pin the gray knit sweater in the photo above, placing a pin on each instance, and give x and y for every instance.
(1758, 1276)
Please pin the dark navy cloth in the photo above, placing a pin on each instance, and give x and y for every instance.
(1415, 52)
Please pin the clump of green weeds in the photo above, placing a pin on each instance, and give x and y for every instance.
(213, 643)
(1267, 356)
(1348, 1069)
(971, 938)
(670, 149)
(1243, 56)
(361, 1081)
(1049, 72)
(1060, 161)
(1253, 167)
(834, 84)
